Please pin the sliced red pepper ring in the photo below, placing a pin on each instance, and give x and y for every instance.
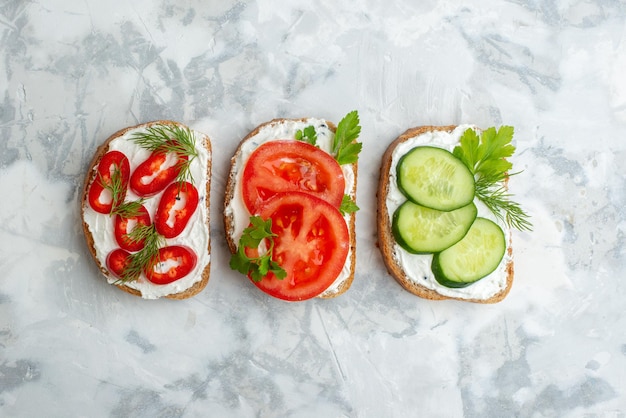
(178, 203)
(123, 226)
(100, 198)
(174, 263)
(156, 172)
(117, 261)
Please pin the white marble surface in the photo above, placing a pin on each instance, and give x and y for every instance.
(73, 72)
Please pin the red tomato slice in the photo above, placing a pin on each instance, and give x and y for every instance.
(289, 165)
(175, 262)
(122, 229)
(100, 199)
(117, 261)
(156, 172)
(312, 245)
(178, 203)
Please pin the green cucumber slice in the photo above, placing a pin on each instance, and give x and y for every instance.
(433, 177)
(420, 230)
(473, 257)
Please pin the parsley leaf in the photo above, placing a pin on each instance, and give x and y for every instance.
(485, 156)
(257, 267)
(347, 205)
(345, 147)
(308, 135)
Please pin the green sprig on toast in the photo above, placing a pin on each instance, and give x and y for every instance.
(170, 138)
(148, 255)
(128, 209)
(347, 205)
(486, 157)
(116, 187)
(257, 267)
(307, 135)
(345, 147)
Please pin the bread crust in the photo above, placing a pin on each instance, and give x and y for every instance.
(386, 240)
(91, 176)
(230, 192)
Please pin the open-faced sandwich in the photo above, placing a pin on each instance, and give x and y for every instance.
(444, 213)
(289, 208)
(145, 210)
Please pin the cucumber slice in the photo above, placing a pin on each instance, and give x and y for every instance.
(474, 257)
(420, 230)
(435, 178)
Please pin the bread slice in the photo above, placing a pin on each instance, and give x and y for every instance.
(201, 278)
(233, 193)
(390, 250)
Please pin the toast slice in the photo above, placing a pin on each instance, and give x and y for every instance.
(236, 215)
(420, 281)
(96, 226)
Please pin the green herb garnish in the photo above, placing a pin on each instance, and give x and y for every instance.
(118, 193)
(485, 156)
(147, 256)
(170, 138)
(307, 135)
(257, 267)
(347, 205)
(115, 186)
(345, 148)
(128, 209)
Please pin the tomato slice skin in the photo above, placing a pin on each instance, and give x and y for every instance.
(290, 165)
(106, 166)
(312, 245)
(158, 177)
(121, 229)
(168, 208)
(117, 261)
(182, 258)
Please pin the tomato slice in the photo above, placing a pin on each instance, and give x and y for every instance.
(290, 165)
(99, 198)
(156, 172)
(177, 204)
(175, 262)
(312, 245)
(122, 229)
(117, 261)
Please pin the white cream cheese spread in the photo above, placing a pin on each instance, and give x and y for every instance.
(417, 266)
(195, 235)
(285, 130)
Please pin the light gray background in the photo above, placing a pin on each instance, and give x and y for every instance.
(73, 72)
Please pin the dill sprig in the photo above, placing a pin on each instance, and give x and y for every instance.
(147, 256)
(115, 186)
(118, 192)
(485, 155)
(128, 209)
(170, 138)
(499, 202)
